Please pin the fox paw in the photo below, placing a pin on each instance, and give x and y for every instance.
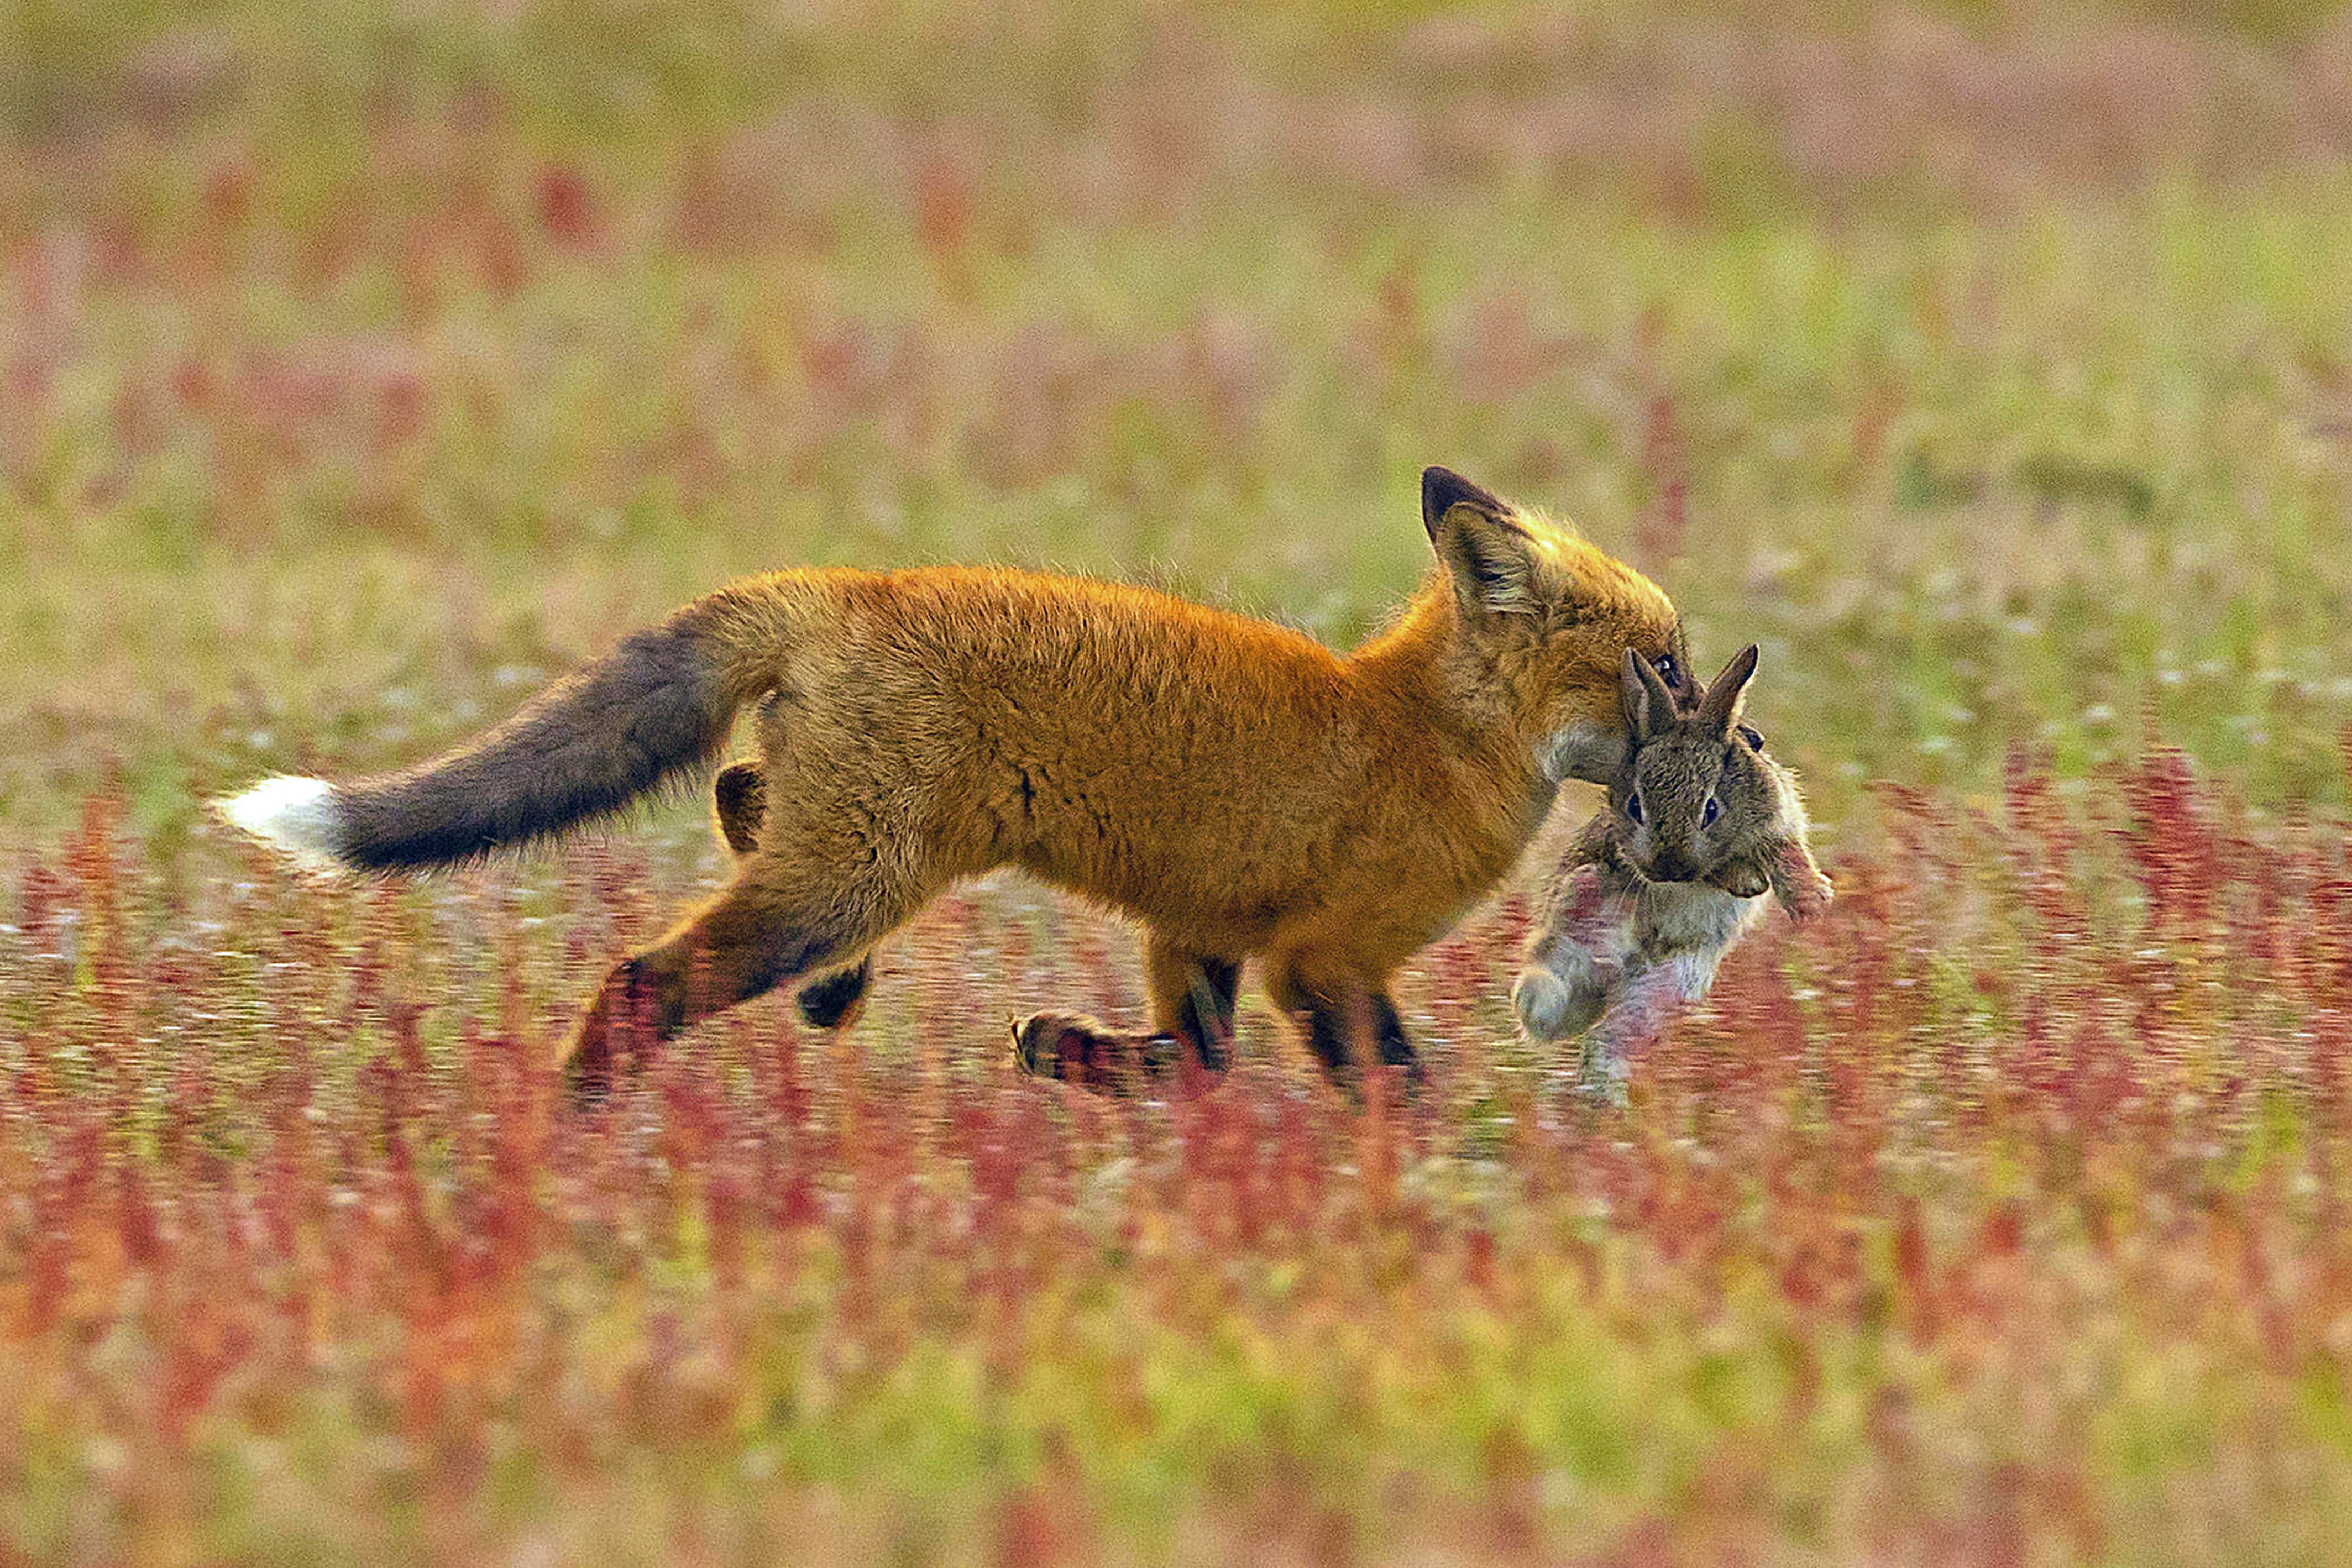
(1086, 1053)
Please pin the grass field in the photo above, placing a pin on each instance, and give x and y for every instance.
(1994, 372)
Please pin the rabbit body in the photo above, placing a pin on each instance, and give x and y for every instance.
(1701, 824)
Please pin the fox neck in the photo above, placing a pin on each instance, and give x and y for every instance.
(1426, 667)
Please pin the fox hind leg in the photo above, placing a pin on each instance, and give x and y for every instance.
(740, 798)
(754, 937)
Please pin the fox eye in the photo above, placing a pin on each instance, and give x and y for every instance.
(1633, 806)
(1666, 667)
(1713, 811)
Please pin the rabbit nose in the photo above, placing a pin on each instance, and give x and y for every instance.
(1671, 865)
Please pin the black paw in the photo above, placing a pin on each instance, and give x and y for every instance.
(834, 1001)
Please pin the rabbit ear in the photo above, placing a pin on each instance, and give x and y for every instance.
(1720, 706)
(1649, 705)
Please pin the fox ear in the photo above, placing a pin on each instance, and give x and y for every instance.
(1720, 706)
(1649, 705)
(1493, 559)
(1442, 490)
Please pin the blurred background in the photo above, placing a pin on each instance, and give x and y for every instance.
(363, 364)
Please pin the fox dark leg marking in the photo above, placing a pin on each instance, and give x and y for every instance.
(835, 1001)
(1207, 1017)
(739, 795)
(1396, 1046)
(1337, 1034)
(1192, 996)
(1344, 1023)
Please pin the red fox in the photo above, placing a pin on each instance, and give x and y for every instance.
(1233, 785)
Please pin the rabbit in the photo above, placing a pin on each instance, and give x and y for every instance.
(1655, 889)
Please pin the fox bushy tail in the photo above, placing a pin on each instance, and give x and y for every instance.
(660, 703)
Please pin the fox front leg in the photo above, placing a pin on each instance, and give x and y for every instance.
(1346, 1032)
(1349, 1023)
(1193, 997)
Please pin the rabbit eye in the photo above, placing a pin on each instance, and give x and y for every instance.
(1713, 811)
(1633, 806)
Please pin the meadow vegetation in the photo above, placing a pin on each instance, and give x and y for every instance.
(1993, 371)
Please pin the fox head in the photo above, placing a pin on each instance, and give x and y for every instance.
(1542, 621)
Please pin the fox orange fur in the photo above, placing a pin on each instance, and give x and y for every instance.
(1233, 785)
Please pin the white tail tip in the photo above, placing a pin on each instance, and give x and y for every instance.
(296, 815)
